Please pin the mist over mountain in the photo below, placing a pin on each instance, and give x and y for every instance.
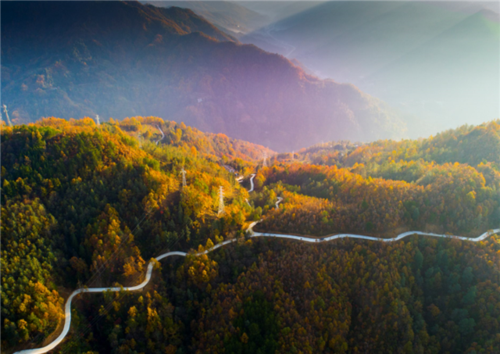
(239, 18)
(229, 16)
(437, 60)
(228, 200)
(278, 10)
(121, 59)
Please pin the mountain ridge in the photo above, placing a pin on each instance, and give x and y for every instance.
(437, 61)
(198, 78)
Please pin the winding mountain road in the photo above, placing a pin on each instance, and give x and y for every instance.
(251, 183)
(252, 233)
(369, 238)
(162, 135)
(278, 202)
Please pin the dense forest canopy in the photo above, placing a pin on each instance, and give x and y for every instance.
(448, 183)
(467, 144)
(91, 205)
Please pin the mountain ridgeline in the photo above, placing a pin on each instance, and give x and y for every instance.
(202, 232)
(436, 60)
(119, 59)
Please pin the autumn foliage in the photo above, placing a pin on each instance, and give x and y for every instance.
(88, 205)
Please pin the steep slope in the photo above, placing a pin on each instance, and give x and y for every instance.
(86, 205)
(278, 10)
(119, 59)
(439, 61)
(227, 15)
(240, 17)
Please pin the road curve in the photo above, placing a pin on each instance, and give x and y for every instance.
(67, 319)
(369, 238)
(251, 183)
(279, 201)
(67, 307)
(162, 135)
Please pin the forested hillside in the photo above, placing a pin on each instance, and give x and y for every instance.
(88, 205)
(154, 129)
(447, 183)
(73, 59)
(467, 144)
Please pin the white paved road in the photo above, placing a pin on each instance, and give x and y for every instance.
(162, 135)
(67, 319)
(369, 238)
(251, 183)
